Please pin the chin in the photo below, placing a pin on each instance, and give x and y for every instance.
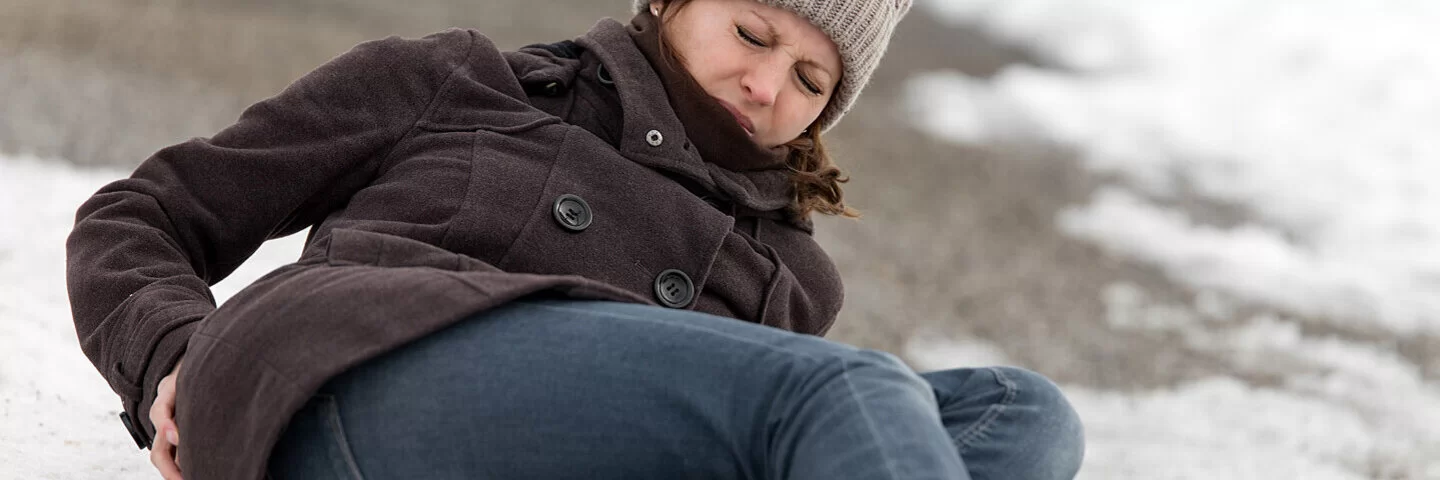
(764, 140)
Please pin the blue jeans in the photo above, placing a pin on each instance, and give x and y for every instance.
(550, 389)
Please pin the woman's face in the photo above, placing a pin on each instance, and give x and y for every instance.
(773, 69)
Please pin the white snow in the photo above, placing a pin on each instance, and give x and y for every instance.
(1217, 428)
(57, 415)
(1317, 119)
(1339, 409)
(1256, 262)
(1387, 412)
(1316, 116)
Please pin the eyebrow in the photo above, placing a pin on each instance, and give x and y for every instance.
(769, 26)
(775, 34)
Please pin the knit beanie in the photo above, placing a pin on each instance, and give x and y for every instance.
(860, 28)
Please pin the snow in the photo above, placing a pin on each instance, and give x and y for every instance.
(1325, 419)
(1315, 120)
(1217, 428)
(53, 403)
(1396, 432)
(1256, 262)
(1315, 117)
(58, 417)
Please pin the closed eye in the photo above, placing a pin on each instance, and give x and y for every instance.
(809, 85)
(748, 37)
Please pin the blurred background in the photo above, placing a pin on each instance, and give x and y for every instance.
(1214, 224)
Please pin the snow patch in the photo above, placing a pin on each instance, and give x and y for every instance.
(1315, 116)
(1255, 263)
(58, 417)
(1397, 411)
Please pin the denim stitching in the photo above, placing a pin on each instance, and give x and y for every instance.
(869, 422)
(964, 439)
(342, 443)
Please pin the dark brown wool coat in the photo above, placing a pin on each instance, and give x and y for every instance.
(427, 176)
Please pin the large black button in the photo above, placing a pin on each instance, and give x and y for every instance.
(674, 289)
(135, 434)
(572, 212)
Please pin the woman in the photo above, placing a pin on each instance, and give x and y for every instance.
(530, 265)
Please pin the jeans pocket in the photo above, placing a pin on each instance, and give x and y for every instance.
(314, 445)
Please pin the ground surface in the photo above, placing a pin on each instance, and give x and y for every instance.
(962, 257)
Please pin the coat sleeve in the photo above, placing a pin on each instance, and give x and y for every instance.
(145, 249)
(799, 288)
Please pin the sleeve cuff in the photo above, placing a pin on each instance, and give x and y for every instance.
(163, 358)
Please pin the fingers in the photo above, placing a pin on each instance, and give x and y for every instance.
(162, 412)
(164, 456)
(164, 452)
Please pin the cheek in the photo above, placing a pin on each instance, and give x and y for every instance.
(799, 112)
(716, 70)
(702, 70)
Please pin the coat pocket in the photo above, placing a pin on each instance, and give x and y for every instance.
(350, 247)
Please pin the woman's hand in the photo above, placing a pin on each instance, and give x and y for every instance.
(165, 449)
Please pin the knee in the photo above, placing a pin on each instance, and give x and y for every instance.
(878, 368)
(883, 363)
(1053, 428)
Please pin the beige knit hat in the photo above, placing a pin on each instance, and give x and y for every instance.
(861, 28)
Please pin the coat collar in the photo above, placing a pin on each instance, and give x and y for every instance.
(647, 108)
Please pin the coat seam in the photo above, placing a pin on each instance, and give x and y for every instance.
(539, 199)
(429, 110)
(131, 350)
(430, 105)
(773, 284)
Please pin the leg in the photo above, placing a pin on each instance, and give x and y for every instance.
(597, 390)
(1009, 423)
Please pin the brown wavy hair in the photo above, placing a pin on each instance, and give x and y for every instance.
(814, 178)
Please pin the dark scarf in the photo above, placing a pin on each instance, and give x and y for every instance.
(711, 128)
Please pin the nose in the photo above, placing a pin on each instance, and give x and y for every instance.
(763, 82)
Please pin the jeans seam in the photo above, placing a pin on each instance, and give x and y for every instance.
(869, 421)
(963, 439)
(342, 443)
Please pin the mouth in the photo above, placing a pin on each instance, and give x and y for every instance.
(743, 120)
